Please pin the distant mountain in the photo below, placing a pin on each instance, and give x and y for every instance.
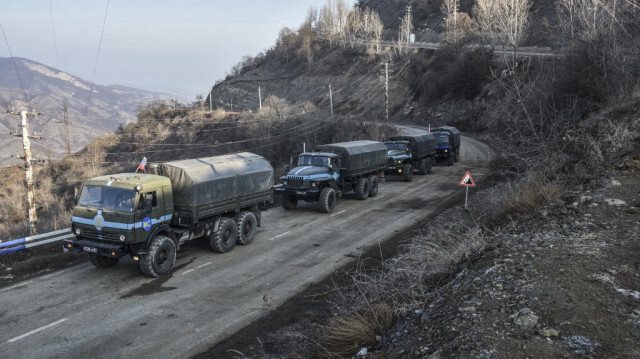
(93, 110)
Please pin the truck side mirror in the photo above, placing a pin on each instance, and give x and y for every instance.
(290, 162)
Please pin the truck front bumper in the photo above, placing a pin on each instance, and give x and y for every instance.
(306, 194)
(444, 153)
(98, 248)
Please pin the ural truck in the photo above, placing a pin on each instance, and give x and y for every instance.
(447, 143)
(147, 216)
(329, 171)
(408, 152)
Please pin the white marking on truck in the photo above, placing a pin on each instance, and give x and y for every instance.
(335, 214)
(279, 235)
(36, 330)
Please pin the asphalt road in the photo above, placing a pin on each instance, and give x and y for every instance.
(117, 312)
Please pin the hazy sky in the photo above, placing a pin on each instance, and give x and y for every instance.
(161, 45)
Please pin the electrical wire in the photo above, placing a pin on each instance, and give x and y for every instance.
(24, 91)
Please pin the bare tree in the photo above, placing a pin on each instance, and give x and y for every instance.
(458, 26)
(506, 21)
(377, 27)
(484, 14)
(326, 22)
(341, 13)
(406, 26)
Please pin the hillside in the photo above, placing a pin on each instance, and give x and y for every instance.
(93, 110)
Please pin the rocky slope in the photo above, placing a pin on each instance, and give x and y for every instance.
(93, 110)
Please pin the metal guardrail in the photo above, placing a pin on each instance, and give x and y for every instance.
(34, 241)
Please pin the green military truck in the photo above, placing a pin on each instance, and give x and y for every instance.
(148, 216)
(332, 170)
(405, 153)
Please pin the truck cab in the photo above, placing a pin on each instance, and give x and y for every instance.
(444, 146)
(399, 159)
(117, 214)
(314, 172)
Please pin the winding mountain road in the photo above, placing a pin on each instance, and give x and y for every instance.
(84, 311)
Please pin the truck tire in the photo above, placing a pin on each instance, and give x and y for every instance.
(289, 201)
(101, 261)
(457, 154)
(224, 239)
(327, 200)
(422, 167)
(450, 159)
(373, 185)
(247, 227)
(407, 173)
(362, 188)
(160, 257)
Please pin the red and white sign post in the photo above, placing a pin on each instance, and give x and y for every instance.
(467, 181)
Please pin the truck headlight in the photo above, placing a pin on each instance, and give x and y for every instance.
(313, 184)
(122, 237)
(285, 182)
(445, 151)
(399, 161)
(78, 231)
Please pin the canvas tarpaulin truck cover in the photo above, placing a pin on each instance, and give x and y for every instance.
(358, 155)
(422, 145)
(205, 182)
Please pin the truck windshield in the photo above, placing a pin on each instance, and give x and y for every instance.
(110, 198)
(313, 161)
(395, 146)
(441, 138)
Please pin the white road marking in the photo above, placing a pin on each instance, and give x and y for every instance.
(204, 265)
(37, 330)
(15, 286)
(335, 214)
(279, 235)
(378, 197)
(188, 271)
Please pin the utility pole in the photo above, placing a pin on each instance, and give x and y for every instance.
(28, 165)
(331, 103)
(386, 96)
(259, 98)
(211, 100)
(67, 136)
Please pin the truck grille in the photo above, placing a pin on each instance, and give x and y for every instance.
(295, 181)
(99, 235)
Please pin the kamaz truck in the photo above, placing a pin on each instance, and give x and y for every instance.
(447, 143)
(147, 216)
(409, 152)
(325, 174)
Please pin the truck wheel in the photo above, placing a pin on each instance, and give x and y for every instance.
(457, 153)
(101, 261)
(429, 164)
(327, 200)
(224, 239)
(407, 173)
(362, 188)
(289, 201)
(422, 167)
(247, 226)
(450, 159)
(373, 185)
(159, 258)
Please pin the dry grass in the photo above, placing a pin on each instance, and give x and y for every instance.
(345, 335)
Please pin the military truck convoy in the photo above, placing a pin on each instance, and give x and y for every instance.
(147, 216)
(447, 144)
(409, 152)
(325, 174)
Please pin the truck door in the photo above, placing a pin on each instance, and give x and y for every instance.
(149, 212)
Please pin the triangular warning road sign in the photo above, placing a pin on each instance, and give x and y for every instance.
(467, 181)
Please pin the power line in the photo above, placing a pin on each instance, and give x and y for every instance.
(95, 67)
(53, 31)
(13, 63)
